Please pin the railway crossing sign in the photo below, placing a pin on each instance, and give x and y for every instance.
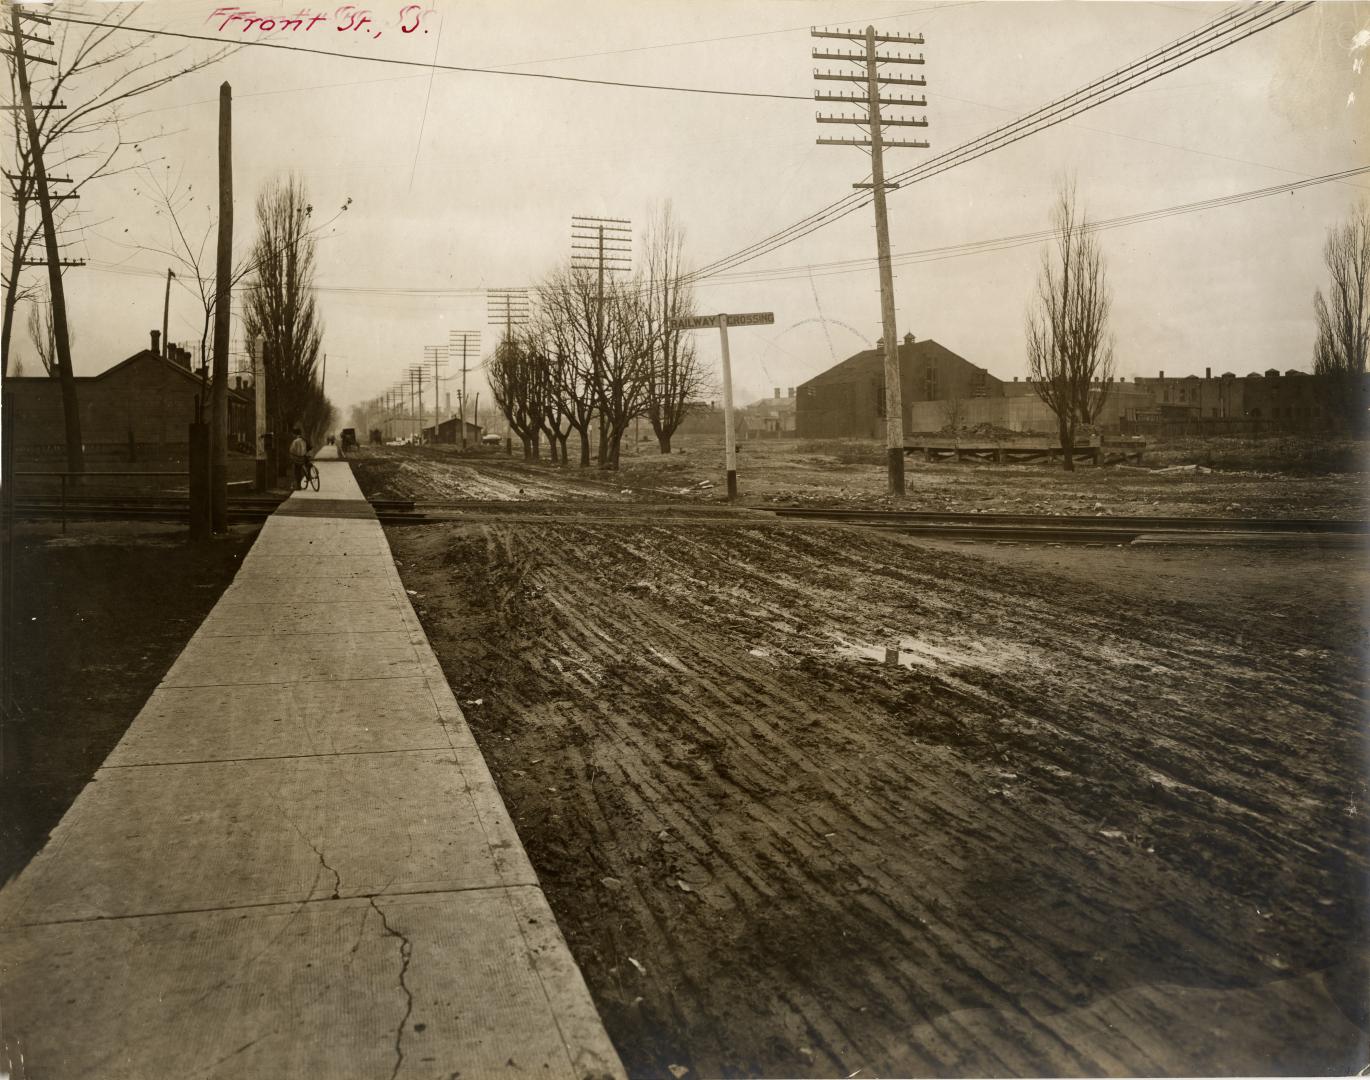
(704, 322)
(723, 321)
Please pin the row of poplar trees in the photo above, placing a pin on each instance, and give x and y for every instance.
(1070, 343)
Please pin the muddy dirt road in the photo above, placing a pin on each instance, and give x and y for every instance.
(436, 474)
(772, 473)
(1077, 826)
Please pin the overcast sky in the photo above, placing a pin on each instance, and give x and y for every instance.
(461, 181)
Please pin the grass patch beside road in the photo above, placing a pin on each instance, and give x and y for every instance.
(100, 615)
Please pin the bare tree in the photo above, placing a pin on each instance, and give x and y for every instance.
(1339, 354)
(621, 389)
(675, 379)
(567, 317)
(954, 416)
(42, 334)
(517, 377)
(559, 415)
(99, 70)
(188, 246)
(280, 309)
(545, 406)
(1069, 346)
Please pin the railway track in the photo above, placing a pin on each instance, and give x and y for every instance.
(1005, 528)
(1008, 528)
(903, 517)
(134, 508)
(1072, 529)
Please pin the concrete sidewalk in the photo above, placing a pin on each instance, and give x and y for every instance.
(295, 863)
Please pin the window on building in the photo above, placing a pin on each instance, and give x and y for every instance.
(880, 402)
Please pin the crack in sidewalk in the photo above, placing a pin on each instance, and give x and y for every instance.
(406, 946)
(337, 878)
(406, 951)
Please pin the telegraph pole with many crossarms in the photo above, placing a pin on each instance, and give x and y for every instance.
(508, 307)
(437, 356)
(601, 244)
(869, 58)
(416, 380)
(468, 341)
(71, 412)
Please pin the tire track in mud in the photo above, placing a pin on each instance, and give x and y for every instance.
(423, 473)
(1233, 793)
(979, 852)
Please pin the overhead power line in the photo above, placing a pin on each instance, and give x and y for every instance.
(1004, 243)
(1224, 31)
(434, 66)
(841, 207)
(738, 37)
(933, 254)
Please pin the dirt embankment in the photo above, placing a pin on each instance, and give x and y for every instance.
(1069, 829)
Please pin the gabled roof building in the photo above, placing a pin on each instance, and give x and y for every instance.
(848, 400)
(139, 409)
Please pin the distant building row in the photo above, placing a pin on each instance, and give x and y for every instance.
(941, 389)
(138, 410)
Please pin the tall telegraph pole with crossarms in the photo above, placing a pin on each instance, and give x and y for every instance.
(873, 89)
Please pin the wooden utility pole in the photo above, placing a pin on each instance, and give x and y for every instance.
(259, 411)
(610, 240)
(223, 300)
(438, 355)
(166, 313)
(469, 339)
(894, 398)
(416, 380)
(870, 60)
(71, 411)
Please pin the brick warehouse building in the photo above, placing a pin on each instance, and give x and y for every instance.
(942, 389)
(138, 410)
(1293, 401)
(849, 400)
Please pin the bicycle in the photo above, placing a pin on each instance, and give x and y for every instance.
(309, 476)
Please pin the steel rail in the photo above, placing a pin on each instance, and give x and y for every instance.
(899, 518)
(1006, 528)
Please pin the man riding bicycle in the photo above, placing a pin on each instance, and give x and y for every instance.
(299, 457)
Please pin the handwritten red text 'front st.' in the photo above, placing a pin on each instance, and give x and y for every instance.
(347, 19)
